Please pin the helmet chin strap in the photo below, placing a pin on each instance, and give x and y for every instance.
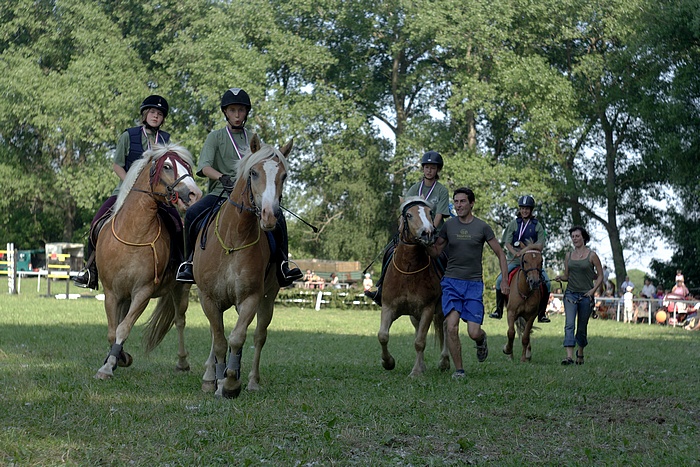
(151, 128)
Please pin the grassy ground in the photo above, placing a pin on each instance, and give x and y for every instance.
(326, 400)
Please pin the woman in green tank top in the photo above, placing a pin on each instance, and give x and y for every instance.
(584, 273)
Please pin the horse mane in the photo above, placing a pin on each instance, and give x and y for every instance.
(267, 151)
(413, 200)
(153, 154)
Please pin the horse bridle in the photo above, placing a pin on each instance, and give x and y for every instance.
(525, 271)
(404, 237)
(170, 195)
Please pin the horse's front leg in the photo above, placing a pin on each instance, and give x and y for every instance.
(215, 366)
(422, 328)
(264, 318)
(385, 323)
(527, 350)
(231, 384)
(116, 355)
(508, 348)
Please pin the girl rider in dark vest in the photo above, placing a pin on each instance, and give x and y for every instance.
(130, 147)
(523, 228)
(221, 150)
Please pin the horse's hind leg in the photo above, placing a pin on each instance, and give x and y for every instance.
(387, 319)
(439, 325)
(180, 321)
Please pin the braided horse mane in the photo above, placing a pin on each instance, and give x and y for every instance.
(267, 151)
(154, 154)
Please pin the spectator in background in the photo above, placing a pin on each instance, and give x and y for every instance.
(625, 284)
(610, 289)
(628, 299)
(335, 282)
(367, 282)
(680, 289)
(648, 289)
(679, 276)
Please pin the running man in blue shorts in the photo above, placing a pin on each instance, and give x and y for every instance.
(463, 284)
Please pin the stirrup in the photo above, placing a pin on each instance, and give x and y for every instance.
(185, 273)
(291, 274)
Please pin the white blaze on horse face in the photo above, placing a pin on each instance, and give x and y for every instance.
(425, 218)
(270, 196)
(188, 191)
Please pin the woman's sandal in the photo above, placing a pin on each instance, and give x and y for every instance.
(567, 361)
(579, 359)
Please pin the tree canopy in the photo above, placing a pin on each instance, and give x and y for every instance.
(592, 108)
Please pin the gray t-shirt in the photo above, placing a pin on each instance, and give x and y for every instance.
(220, 153)
(465, 247)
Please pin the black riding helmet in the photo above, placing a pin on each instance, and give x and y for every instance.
(236, 96)
(432, 157)
(526, 201)
(155, 102)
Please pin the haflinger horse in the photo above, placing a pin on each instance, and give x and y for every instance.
(133, 254)
(234, 267)
(412, 285)
(524, 300)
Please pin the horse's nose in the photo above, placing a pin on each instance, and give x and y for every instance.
(194, 196)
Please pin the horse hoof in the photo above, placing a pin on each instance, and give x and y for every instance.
(231, 394)
(182, 369)
(253, 386)
(125, 360)
(102, 376)
(389, 364)
(209, 386)
(444, 364)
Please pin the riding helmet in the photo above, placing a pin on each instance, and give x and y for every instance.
(526, 201)
(235, 96)
(432, 157)
(155, 102)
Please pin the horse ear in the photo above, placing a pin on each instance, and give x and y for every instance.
(287, 148)
(255, 143)
(401, 200)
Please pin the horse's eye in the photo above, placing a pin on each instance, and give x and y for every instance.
(168, 166)
(254, 174)
(409, 215)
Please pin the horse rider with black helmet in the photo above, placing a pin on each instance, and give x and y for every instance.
(524, 228)
(432, 191)
(130, 147)
(222, 149)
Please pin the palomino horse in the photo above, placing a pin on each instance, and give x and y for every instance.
(524, 301)
(133, 253)
(412, 285)
(233, 268)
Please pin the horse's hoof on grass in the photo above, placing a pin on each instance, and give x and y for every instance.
(444, 365)
(209, 386)
(389, 364)
(125, 359)
(253, 386)
(182, 369)
(102, 376)
(231, 393)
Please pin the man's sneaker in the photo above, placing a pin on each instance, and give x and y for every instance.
(543, 319)
(185, 273)
(496, 315)
(482, 351)
(459, 374)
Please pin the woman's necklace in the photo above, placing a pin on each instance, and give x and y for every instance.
(580, 254)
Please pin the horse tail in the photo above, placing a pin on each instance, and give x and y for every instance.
(520, 325)
(160, 322)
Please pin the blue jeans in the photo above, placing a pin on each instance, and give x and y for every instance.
(512, 266)
(578, 309)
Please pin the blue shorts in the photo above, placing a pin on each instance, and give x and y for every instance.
(467, 297)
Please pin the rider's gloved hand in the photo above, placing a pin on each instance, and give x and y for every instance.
(227, 182)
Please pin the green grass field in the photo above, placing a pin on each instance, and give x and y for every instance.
(326, 400)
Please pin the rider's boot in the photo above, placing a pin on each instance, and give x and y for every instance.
(185, 273)
(500, 300)
(376, 295)
(542, 316)
(87, 278)
(285, 275)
